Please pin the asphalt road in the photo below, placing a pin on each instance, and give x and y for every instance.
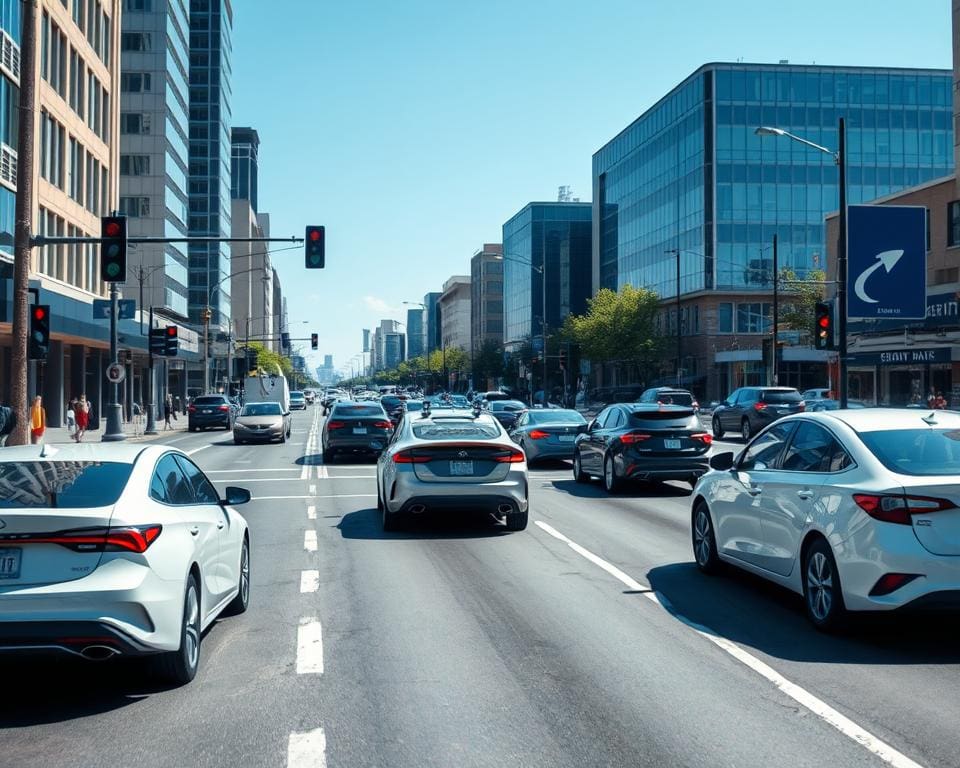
(589, 639)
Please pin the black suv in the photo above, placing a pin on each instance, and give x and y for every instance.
(750, 409)
(210, 411)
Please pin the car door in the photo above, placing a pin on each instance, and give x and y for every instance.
(589, 450)
(727, 415)
(517, 431)
(791, 493)
(736, 498)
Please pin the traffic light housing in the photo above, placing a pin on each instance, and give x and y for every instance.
(158, 341)
(39, 345)
(284, 340)
(315, 244)
(171, 341)
(563, 358)
(823, 326)
(113, 249)
(314, 341)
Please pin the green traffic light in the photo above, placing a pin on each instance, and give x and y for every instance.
(113, 269)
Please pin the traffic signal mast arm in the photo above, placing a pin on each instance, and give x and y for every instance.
(38, 241)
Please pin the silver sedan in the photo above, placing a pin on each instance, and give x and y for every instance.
(451, 460)
(548, 434)
(262, 421)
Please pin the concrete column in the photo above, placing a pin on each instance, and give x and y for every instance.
(78, 371)
(53, 393)
(97, 386)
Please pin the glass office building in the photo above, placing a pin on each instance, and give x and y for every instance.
(434, 337)
(245, 145)
(415, 333)
(544, 241)
(9, 101)
(691, 175)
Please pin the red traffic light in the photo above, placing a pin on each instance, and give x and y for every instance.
(824, 321)
(111, 228)
(314, 234)
(39, 313)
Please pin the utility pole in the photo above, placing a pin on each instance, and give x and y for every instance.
(114, 430)
(151, 418)
(776, 309)
(842, 266)
(205, 316)
(24, 215)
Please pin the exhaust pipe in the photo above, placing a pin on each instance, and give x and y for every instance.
(505, 509)
(417, 509)
(99, 652)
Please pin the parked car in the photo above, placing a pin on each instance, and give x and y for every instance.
(548, 434)
(817, 393)
(117, 549)
(359, 428)
(855, 510)
(452, 461)
(670, 396)
(210, 411)
(262, 421)
(829, 404)
(750, 409)
(507, 411)
(298, 401)
(642, 441)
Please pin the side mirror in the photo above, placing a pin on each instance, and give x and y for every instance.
(722, 461)
(234, 496)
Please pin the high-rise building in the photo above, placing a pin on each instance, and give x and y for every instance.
(416, 336)
(389, 346)
(244, 148)
(486, 304)
(692, 176)
(454, 308)
(433, 324)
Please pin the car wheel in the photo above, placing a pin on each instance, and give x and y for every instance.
(380, 505)
(241, 602)
(180, 666)
(392, 521)
(745, 432)
(237, 441)
(704, 541)
(327, 457)
(611, 483)
(717, 429)
(822, 594)
(578, 474)
(283, 437)
(517, 521)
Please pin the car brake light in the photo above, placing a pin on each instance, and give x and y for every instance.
(898, 509)
(891, 582)
(409, 457)
(128, 539)
(704, 437)
(538, 434)
(191, 408)
(223, 408)
(514, 457)
(383, 425)
(633, 437)
(802, 407)
(336, 424)
(759, 406)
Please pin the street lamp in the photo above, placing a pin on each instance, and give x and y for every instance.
(543, 308)
(840, 159)
(207, 313)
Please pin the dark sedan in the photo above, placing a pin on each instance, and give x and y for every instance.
(210, 411)
(507, 412)
(642, 441)
(394, 406)
(352, 427)
(750, 409)
(548, 434)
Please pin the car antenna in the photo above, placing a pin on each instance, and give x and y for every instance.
(931, 419)
(47, 450)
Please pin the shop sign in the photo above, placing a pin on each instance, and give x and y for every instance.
(903, 356)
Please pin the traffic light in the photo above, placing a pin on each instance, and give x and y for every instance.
(39, 344)
(284, 340)
(314, 341)
(158, 341)
(823, 326)
(315, 241)
(113, 249)
(171, 341)
(563, 358)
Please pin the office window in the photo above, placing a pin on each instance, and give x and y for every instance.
(953, 223)
(752, 317)
(135, 82)
(136, 41)
(134, 165)
(138, 5)
(135, 207)
(725, 317)
(134, 122)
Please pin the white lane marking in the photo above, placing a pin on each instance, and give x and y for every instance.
(311, 512)
(232, 471)
(309, 647)
(253, 480)
(313, 489)
(309, 581)
(305, 472)
(313, 496)
(347, 477)
(310, 541)
(803, 697)
(197, 450)
(307, 750)
(322, 472)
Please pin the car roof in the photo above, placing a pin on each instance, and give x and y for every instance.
(654, 408)
(118, 452)
(877, 419)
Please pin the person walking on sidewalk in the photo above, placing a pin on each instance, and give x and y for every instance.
(38, 421)
(72, 417)
(83, 417)
(167, 412)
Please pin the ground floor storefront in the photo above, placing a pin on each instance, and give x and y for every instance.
(903, 375)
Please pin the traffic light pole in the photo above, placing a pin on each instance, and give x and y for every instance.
(114, 429)
(151, 418)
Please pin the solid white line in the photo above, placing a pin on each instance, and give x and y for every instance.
(322, 472)
(803, 697)
(309, 647)
(231, 471)
(313, 489)
(309, 581)
(305, 472)
(311, 512)
(259, 498)
(307, 750)
(310, 541)
(253, 480)
(197, 450)
(347, 477)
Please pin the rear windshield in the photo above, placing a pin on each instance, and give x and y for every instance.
(916, 451)
(358, 410)
(296, 395)
(456, 430)
(663, 420)
(61, 484)
(210, 400)
(781, 396)
(674, 398)
(414, 405)
(556, 417)
(391, 402)
(261, 409)
(507, 405)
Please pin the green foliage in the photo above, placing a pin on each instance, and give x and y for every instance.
(488, 362)
(798, 299)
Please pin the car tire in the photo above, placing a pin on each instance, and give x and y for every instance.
(327, 457)
(241, 602)
(380, 506)
(392, 521)
(717, 429)
(703, 539)
(579, 475)
(179, 667)
(822, 592)
(237, 441)
(745, 431)
(611, 483)
(517, 521)
(283, 437)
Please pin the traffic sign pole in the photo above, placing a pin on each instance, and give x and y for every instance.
(114, 430)
(151, 418)
(842, 265)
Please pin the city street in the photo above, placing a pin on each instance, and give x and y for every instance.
(588, 639)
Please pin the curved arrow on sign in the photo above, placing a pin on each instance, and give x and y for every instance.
(888, 260)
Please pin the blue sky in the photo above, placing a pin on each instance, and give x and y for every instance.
(414, 129)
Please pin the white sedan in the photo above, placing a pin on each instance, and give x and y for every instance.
(115, 549)
(856, 510)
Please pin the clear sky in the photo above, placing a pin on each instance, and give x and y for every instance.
(414, 129)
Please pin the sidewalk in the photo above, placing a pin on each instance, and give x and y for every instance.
(55, 435)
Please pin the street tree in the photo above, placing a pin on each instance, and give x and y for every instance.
(797, 305)
(487, 362)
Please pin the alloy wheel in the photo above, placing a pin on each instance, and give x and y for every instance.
(191, 620)
(745, 429)
(701, 537)
(245, 572)
(819, 586)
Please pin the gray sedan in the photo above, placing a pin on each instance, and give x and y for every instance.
(548, 434)
(262, 421)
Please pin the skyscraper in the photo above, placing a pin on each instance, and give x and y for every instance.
(415, 333)
(244, 148)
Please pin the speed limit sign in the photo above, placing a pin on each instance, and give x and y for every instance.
(115, 373)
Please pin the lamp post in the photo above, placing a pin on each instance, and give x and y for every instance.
(543, 306)
(840, 159)
(207, 313)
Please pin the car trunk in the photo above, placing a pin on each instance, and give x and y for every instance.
(460, 463)
(358, 426)
(666, 433)
(259, 422)
(556, 434)
(781, 403)
(937, 529)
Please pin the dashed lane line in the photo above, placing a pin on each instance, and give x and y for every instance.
(310, 540)
(309, 647)
(309, 581)
(307, 750)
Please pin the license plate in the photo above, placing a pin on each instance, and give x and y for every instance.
(672, 445)
(460, 468)
(207, 410)
(359, 430)
(10, 563)
(567, 438)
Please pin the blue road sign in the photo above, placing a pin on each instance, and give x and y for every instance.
(886, 262)
(538, 344)
(101, 309)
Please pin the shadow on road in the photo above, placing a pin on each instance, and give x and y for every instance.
(595, 490)
(366, 524)
(317, 458)
(756, 613)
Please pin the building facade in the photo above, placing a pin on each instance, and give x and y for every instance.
(416, 335)
(432, 324)
(244, 165)
(486, 303)
(388, 349)
(454, 309)
(690, 179)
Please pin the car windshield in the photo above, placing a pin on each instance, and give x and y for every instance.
(261, 409)
(296, 395)
(781, 396)
(357, 410)
(927, 452)
(456, 430)
(414, 405)
(556, 417)
(61, 484)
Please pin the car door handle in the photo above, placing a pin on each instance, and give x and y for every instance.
(754, 490)
(221, 524)
(805, 493)
(194, 531)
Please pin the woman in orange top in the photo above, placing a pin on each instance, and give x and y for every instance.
(38, 421)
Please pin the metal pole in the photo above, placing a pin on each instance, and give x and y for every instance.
(206, 350)
(141, 278)
(114, 430)
(151, 418)
(679, 327)
(842, 267)
(229, 375)
(776, 307)
(543, 324)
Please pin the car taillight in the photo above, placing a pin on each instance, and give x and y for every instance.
(336, 424)
(192, 408)
(514, 457)
(759, 406)
(409, 457)
(704, 437)
(223, 407)
(694, 404)
(898, 509)
(538, 434)
(802, 407)
(632, 438)
(383, 425)
(891, 582)
(128, 539)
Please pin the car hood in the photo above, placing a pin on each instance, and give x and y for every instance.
(259, 421)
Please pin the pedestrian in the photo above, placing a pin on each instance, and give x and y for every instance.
(38, 421)
(167, 412)
(82, 416)
(72, 416)
(940, 403)
(931, 398)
